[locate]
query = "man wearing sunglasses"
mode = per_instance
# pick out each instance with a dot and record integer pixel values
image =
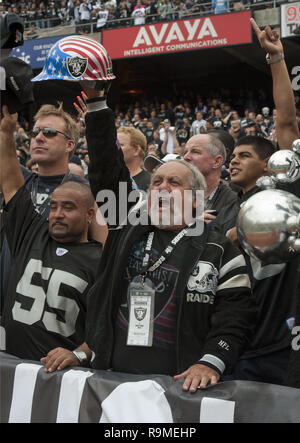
(54, 264)
(53, 139)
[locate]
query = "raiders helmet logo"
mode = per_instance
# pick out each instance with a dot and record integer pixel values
(204, 278)
(140, 313)
(76, 66)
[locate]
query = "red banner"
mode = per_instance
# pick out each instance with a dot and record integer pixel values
(183, 35)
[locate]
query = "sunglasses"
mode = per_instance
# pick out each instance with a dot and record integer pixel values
(47, 132)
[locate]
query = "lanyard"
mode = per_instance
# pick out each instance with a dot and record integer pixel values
(165, 254)
(34, 192)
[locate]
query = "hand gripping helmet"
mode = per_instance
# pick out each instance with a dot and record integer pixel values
(77, 58)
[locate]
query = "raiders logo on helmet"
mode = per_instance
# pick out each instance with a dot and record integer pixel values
(140, 313)
(77, 66)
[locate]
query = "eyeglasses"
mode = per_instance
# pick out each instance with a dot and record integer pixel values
(47, 132)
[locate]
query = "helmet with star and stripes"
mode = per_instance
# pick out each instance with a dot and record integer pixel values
(77, 58)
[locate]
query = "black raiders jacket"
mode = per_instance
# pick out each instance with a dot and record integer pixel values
(214, 332)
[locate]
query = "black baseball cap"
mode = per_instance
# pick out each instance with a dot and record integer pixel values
(19, 88)
(215, 122)
(11, 31)
(247, 123)
(151, 162)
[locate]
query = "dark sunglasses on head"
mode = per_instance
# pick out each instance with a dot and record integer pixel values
(47, 132)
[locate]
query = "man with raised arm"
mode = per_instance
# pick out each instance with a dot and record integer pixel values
(54, 265)
(166, 301)
(51, 151)
(286, 122)
(287, 130)
(275, 286)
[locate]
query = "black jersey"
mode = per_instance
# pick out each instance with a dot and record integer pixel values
(40, 188)
(46, 300)
(275, 287)
(293, 373)
(142, 180)
(276, 290)
(294, 188)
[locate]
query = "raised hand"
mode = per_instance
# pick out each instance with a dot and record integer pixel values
(81, 107)
(8, 121)
(268, 39)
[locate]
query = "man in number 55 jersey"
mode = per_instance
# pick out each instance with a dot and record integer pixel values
(54, 264)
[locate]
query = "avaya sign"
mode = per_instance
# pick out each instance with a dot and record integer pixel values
(184, 35)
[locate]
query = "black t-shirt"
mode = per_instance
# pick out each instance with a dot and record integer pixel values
(46, 301)
(294, 188)
(275, 287)
(162, 115)
(183, 134)
(179, 114)
(274, 290)
(142, 180)
(41, 187)
(161, 357)
(293, 373)
(149, 135)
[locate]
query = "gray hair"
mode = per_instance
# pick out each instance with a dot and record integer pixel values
(196, 179)
(216, 147)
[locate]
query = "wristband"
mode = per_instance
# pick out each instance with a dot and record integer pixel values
(96, 104)
(81, 355)
(213, 362)
(276, 59)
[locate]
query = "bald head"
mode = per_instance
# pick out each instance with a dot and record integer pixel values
(71, 212)
(76, 169)
(83, 189)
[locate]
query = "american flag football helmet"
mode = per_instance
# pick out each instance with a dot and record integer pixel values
(77, 58)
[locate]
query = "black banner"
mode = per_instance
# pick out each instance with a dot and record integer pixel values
(77, 395)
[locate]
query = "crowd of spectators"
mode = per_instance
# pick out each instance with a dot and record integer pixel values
(240, 114)
(118, 13)
(194, 114)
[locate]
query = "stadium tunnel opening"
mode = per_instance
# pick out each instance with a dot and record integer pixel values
(169, 76)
